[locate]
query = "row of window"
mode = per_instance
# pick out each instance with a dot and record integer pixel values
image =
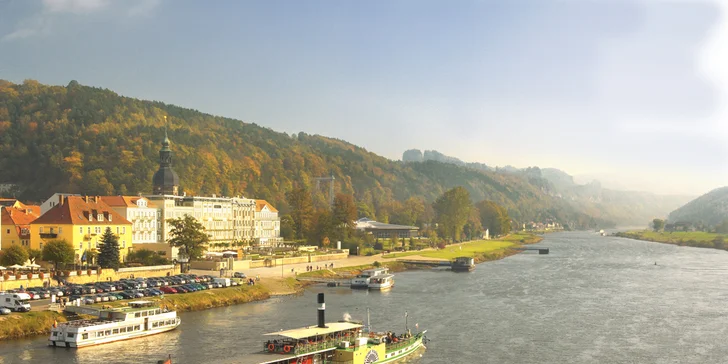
(96, 245)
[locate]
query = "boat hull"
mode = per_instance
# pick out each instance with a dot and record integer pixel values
(106, 340)
(404, 354)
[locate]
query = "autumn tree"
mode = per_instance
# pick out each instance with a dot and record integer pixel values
(299, 200)
(109, 250)
(58, 252)
(494, 217)
(189, 236)
(14, 254)
(452, 210)
(288, 227)
(324, 226)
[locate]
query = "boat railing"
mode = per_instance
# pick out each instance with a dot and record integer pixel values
(301, 348)
(401, 343)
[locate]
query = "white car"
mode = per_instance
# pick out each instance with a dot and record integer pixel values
(4, 311)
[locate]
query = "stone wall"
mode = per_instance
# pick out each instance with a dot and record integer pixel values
(84, 277)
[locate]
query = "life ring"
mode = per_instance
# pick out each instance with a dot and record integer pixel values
(287, 349)
(271, 348)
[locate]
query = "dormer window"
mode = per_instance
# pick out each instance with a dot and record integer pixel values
(100, 217)
(109, 217)
(90, 217)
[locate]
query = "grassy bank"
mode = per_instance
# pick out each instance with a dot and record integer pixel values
(698, 239)
(19, 325)
(487, 249)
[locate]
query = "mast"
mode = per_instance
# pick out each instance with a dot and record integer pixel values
(406, 315)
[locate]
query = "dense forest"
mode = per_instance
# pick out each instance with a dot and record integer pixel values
(89, 140)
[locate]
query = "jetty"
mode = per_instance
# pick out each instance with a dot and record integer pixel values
(541, 250)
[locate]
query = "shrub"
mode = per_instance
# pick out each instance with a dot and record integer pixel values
(441, 245)
(6, 276)
(29, 275)
(41, 275)
(18, 276)
(377, 264)
(88, 272)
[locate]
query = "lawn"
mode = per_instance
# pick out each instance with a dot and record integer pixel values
(470, 249)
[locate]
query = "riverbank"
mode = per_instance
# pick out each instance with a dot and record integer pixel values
(19, 325)
(697, 239)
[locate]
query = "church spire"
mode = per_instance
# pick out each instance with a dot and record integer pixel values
(165, 180)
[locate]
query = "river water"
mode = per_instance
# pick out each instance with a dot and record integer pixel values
(593, 299)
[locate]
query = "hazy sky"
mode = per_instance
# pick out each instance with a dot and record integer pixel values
(630, 91)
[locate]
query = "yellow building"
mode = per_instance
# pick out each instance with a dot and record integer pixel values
(81, 221)
(15, 219)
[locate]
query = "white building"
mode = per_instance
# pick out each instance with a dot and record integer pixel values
(140, 212)
(52, 201)
(267, 224)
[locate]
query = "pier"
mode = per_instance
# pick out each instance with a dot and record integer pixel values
(541, 250)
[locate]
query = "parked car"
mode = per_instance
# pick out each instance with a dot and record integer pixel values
(4, 311)
(239, 275)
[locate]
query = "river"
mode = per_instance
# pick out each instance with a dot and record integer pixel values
(593, 299)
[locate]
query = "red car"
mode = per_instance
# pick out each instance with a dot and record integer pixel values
(168, 289)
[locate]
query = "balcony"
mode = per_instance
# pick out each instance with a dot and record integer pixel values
(48, 235)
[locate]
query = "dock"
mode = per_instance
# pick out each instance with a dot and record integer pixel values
(332, 282)
(541, 250)
(432, 263)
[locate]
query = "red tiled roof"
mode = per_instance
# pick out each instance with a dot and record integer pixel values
(76, 210)
(18, 216)
(259, 204)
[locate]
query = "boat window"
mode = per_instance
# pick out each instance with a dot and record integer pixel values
(136, 327)
(70, 335)
(157, 311)
(138, 314)
(144, 314)
(107, 333)
(84, 336)
(116, 331)
(100, 334)
(122, 330)
(156, 324)
(130, 329)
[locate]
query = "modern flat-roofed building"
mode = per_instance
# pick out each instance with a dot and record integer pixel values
(386, 231)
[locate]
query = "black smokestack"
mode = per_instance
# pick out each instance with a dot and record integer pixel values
(321, 311)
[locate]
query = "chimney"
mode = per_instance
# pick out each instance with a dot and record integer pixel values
(85, 198)
(60, 199)
(321, 311)
(96, 199)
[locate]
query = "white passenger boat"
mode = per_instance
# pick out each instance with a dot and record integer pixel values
(382, 282)
(140, 318)
(362, 280)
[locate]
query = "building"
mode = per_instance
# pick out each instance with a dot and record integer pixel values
(267, 224)
(140, 212)
(165, 181)
(386, 231)
(52, 201)
(15, 222)
(230, 222)
(81, 221)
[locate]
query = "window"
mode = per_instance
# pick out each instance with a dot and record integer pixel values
(136, 327)
(70, 335)
(80, 229)
(100, 334)
(123, 244)
(89, 230)
(123, 229)
(116, 331)
(80, 245)
(60, 230)
(84, 336)
(41, 246)
(122, 330)
(100, 217)
(144, 314)
(137, 314)
(156, 324)
(108, 332)
(117, 230)
(41, 230)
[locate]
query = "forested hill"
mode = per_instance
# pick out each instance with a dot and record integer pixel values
(93, 141)
(710, 209)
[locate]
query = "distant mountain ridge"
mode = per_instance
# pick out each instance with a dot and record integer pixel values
(622, 207)
(709, 209)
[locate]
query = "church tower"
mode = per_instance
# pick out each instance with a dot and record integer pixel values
(165, 180)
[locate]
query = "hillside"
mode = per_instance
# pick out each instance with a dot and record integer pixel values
(710, 209)
(81, 139)
(620, 207)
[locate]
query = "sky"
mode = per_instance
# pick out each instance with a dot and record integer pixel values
(632, 92)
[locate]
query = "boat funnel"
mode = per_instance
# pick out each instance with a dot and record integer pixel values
(321, 311)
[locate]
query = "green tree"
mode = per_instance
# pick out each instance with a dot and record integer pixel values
(324, 226)
(146, 257)
(189, 236)
(344, 215)
(494, 217)
(658, 224)
(473, 228)
(722, 228)
(58, 252)
(14, 254)
(301, 204)
(452, 210)
(109, 250)
(91, 256)
(35, 255)
(288, 228)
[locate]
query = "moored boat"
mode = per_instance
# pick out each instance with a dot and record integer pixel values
(362, 280)
(140, 318)
(463, 264)
(382, 282)
(343, 342)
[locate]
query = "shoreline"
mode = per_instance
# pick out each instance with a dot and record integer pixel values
(36, 323)
(679, 238)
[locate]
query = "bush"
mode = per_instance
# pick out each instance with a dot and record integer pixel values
(441, 245)
(6, 276)
(377, 264)
(18, 276)
(88, 272)
(78, 273)
(29, 275)
(41, 275)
